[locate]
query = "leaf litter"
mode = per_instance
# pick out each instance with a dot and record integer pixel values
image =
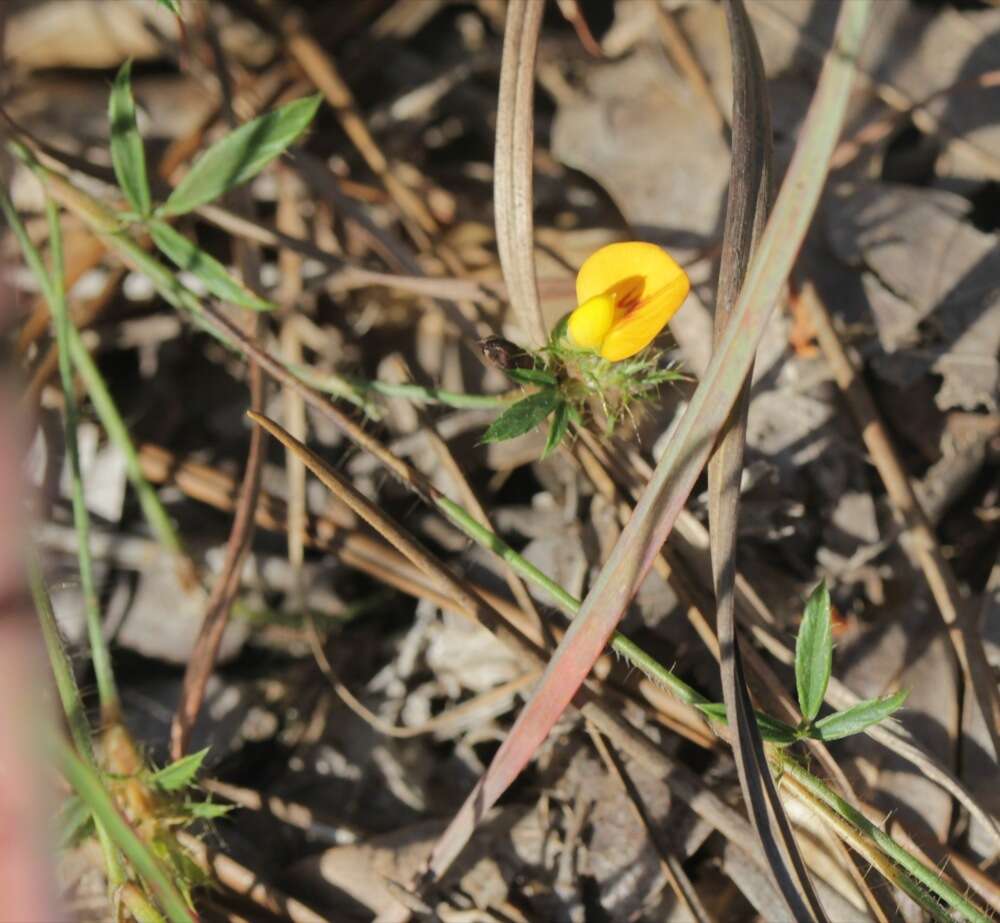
(912, 272)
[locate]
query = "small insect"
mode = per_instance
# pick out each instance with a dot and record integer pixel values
(505, 355)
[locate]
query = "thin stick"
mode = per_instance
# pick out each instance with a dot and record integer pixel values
(241, 880)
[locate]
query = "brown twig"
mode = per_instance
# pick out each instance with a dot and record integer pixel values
(241, 880)
(683, 56)
(471, 502)
(892, 96)
(323, 72)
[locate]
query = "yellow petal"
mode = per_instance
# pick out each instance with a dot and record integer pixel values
(637, 329)
(628, 271)
(591, 321)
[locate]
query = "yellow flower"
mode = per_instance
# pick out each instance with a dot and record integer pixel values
(626, 292)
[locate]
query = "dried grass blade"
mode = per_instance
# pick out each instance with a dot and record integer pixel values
(686, 456)
(512, 164)
(746, 213)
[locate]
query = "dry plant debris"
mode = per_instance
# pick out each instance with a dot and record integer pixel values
(417, 239)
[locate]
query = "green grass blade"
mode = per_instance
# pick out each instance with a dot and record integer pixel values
(87, 784)
(62, 670)
(241, 155)
(106, 689)
(127, 155)
(52, 288)
(814, 653)
(188, 256)
(114, 425)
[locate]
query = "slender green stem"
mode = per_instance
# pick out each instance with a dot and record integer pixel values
(927, 877)
(113, 423)
(87, 784)
(56, 298)
(422, 395)
(139, 905)
(628, 649)
(865, 848)
(62, 671)
(72, 702)
(72, 348)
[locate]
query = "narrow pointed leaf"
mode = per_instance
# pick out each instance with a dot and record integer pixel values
(523, 416)
(206, 810)
(179, 774)
(188, 256)
(814, 653)
(241, 155)
(557, 428)
(127, 155)
(72, 821)
(858, 717)
(686, 455)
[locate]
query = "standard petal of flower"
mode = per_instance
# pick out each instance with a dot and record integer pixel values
(629, 271)
(640, 327)
(591, 321)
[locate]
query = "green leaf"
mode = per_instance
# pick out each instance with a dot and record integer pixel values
(72, 821)
(557, 428)
(240, 155)
(206, 810)
(855, 719)
(526, 414)
(771, 729)
(559, 331)
(127, 155)
(814, 653)
(532, 377)
(179, 774)
(186, 255)
(173, 5)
